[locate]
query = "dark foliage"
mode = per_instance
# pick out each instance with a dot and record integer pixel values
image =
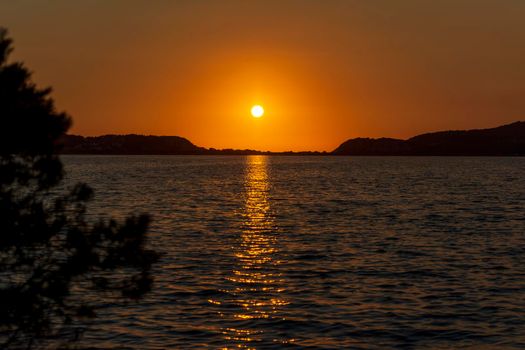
(55, 267)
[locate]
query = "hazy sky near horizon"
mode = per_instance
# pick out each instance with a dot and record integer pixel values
(324, 70)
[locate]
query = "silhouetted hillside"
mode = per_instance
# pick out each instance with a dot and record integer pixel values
(506, 140)
(366, 146)
(140, 144)
(128, 144)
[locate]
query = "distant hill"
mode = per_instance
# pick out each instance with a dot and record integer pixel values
(506, 140)
(128, 144)
(140, 144)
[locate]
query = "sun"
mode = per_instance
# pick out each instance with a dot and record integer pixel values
(257, 111)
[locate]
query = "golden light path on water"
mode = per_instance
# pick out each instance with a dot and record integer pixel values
(257, 283)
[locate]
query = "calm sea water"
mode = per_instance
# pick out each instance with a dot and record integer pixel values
(319, 252)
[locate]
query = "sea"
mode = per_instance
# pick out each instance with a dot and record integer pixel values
(317, 252)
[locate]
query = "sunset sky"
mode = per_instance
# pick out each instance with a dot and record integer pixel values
(324, 71)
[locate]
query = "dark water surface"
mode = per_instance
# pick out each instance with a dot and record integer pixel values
(319, 252)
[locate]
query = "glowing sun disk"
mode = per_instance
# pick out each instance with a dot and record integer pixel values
(257, 111)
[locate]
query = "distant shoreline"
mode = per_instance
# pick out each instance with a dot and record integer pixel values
(292, 155)
(507, 140)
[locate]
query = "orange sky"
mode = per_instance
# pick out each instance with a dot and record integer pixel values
(325, 71)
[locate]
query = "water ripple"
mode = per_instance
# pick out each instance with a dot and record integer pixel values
(319, 252)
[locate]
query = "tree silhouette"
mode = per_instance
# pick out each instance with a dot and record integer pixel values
(55, 266)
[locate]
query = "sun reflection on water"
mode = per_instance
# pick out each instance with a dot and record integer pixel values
(257, 283)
